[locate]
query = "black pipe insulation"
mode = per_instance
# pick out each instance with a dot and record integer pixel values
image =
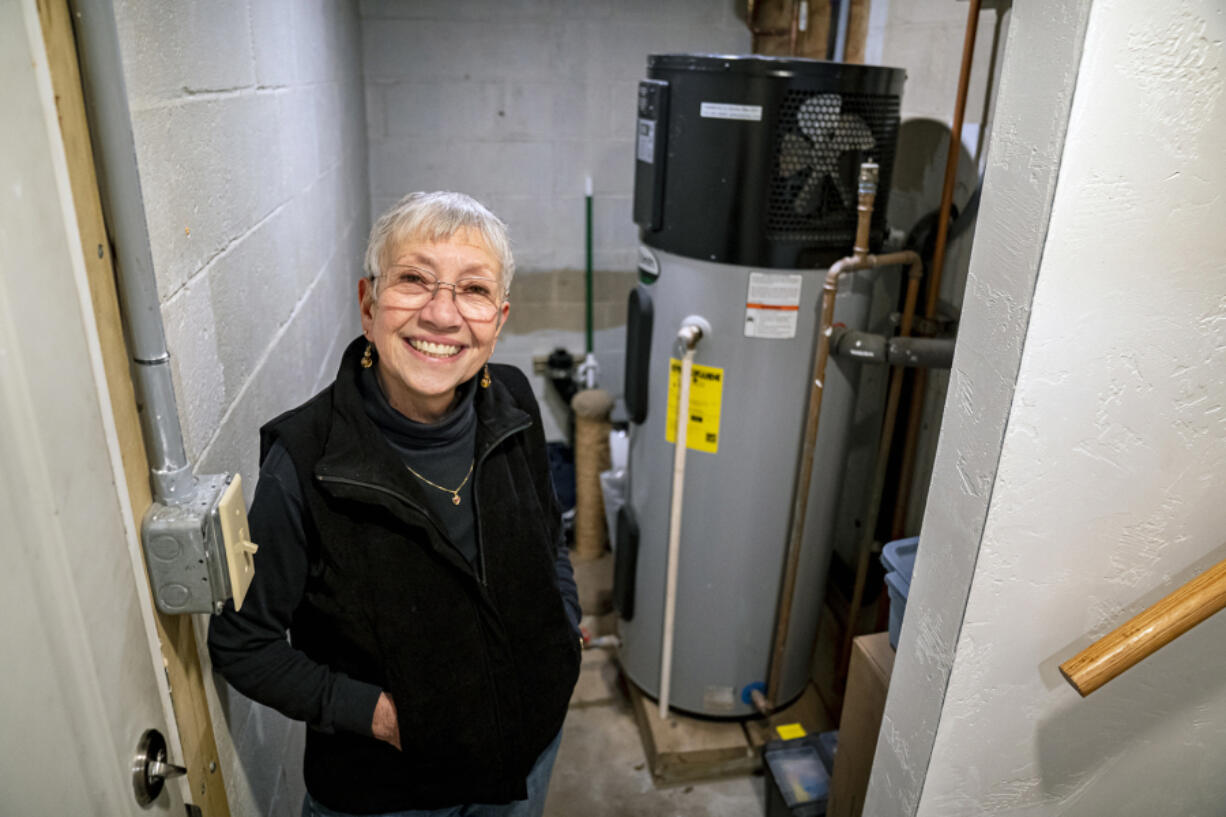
(922, 353)
(911, 352)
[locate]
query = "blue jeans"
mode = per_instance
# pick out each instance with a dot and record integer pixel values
(534, 806)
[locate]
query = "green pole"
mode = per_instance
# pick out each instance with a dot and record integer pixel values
(588, 269)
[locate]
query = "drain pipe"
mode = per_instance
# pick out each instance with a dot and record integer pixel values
(693, 329)
(860, 259)
(106, 97)
(194, 535)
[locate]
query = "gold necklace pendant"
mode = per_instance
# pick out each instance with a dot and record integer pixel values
(455, 492)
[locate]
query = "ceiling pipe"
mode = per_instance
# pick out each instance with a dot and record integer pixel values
(106, 99)
(840, 38)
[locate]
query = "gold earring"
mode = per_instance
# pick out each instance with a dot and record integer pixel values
(485, 377)
(367, 361)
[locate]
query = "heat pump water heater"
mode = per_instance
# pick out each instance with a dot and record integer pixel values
(745, 191)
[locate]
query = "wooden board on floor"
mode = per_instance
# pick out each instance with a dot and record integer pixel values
(807, 711)
(683, 749)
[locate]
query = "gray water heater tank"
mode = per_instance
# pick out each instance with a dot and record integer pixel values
(745, 191)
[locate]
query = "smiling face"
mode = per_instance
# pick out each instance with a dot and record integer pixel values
(426, 351)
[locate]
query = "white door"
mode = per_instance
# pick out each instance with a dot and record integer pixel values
(78, 681)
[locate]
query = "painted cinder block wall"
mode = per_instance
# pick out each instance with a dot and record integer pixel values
(516, 103)
(250, 136)
(1102, 489)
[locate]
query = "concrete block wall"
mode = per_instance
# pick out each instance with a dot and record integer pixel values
(516, 103)
(249, 120)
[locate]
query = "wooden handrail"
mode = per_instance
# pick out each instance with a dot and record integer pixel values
(1148, 631)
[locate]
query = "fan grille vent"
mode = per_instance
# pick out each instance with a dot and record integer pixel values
(821, 139)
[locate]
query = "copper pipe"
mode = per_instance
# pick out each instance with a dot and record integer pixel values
(794, 30)
(801, 501)
(951, 160)
(858, 261)
(916, 410)
(882, 467)
(869, 172)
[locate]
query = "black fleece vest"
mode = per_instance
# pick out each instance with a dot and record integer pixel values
(480, 660)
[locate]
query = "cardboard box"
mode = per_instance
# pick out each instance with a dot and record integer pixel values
(868, 681)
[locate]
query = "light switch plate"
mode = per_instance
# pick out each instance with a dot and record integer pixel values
(240, 550)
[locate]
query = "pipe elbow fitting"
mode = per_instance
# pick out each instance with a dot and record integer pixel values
(693, 329)
(689, 335)
(869, 174)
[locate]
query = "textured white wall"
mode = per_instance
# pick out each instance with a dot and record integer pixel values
(1023, 163)
(1108, 491)
(249, 122)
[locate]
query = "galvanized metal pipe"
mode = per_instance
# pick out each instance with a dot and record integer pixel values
(840, 37)
(110, 121)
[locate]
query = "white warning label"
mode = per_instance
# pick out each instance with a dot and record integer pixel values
(647, 141)
(772, 307)
(724, 110)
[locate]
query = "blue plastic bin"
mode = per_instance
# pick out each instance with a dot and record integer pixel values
(898, 557)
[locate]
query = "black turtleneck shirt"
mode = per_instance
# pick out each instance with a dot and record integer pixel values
(252, 644)
(440, 452)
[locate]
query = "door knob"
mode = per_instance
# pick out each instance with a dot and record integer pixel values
(150, 769)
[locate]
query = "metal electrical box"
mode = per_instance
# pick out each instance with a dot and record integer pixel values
(200, 553)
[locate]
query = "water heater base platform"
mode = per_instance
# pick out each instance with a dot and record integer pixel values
(683, 749)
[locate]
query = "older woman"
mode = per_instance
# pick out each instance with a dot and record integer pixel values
(410, 542)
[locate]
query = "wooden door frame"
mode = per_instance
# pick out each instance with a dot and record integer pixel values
(176, 636)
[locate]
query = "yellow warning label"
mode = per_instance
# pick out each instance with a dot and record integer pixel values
(790, 731)
(706, 394)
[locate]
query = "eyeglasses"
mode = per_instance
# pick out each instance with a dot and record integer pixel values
(476, 299)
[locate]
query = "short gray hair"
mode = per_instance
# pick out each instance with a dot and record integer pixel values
(438, 216)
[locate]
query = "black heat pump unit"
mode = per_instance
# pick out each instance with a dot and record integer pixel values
(779, 190)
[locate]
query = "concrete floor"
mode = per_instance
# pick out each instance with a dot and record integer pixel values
(602, 772)
(601, 769)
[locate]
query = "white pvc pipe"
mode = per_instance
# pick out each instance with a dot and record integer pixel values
(674, 520)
